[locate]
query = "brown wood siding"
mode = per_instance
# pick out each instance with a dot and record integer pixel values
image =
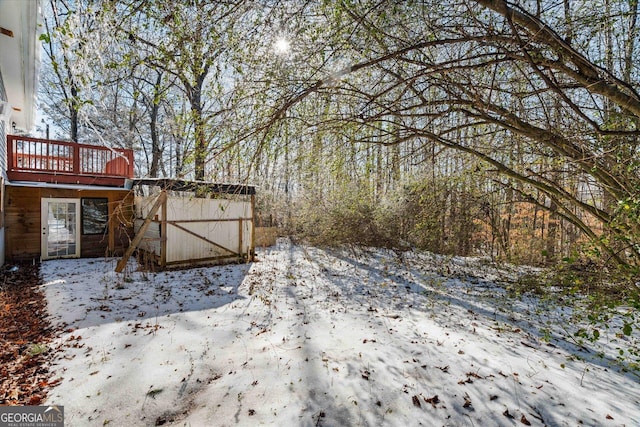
(23, 216)
(94, 246)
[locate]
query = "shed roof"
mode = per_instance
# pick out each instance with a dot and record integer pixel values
(196, 186)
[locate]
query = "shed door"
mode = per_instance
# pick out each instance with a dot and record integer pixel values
(60, 228)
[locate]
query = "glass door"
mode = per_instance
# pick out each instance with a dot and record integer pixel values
(60, 228)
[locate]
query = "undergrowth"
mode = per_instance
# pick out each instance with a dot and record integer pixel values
(600, 309)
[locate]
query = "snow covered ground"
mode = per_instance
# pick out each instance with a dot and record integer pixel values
(327, 338)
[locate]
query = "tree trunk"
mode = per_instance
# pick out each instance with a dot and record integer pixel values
(199, 123)
(73, 114)
(630, 42)
(155, 143)
(200, 149)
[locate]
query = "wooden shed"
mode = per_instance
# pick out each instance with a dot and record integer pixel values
(179, 223)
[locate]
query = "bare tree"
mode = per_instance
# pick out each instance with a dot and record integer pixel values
(473, 79)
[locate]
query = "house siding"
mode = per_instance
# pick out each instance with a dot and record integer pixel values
(23, 221)
(3, 131)
(3, 170)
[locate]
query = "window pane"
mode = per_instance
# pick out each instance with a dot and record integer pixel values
(95, 215)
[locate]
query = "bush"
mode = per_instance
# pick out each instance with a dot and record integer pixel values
(345, 217)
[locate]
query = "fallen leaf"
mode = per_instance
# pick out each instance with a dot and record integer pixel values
(23, 320)
(416, 401)
(433, 400)
(507, 414)
(467, 401)
(525, 421)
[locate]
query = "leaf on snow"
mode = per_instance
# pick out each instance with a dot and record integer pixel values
(433, 400)
(467, 402)
(154, 392)
(525, 421)
(416, 401)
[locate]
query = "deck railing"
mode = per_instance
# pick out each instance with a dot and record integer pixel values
(35, 159)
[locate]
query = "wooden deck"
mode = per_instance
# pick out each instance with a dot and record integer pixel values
(61, 162)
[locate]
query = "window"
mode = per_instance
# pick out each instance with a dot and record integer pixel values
(95, 215)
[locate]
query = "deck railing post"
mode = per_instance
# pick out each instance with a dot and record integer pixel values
(76, 159)
(10, 153)
(130, 170)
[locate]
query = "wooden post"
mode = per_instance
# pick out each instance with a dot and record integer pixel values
(76, 160)
(252, 249)
(130, 169)
(163, 234)
(111, 227)
(138, 237)
(12, 154)
(240, 239)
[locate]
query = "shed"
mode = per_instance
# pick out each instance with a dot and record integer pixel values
(179, 223)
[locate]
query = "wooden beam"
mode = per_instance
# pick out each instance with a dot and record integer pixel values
(240, 237)
(163, 234)
(65, 178)
(252, 249)
(143, 228)
(187, 221)
(200, 261)
(111, 226)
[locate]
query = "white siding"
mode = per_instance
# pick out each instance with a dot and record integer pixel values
(201, 217)
(151, 240)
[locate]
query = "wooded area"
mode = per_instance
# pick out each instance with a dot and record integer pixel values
(471, 127)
